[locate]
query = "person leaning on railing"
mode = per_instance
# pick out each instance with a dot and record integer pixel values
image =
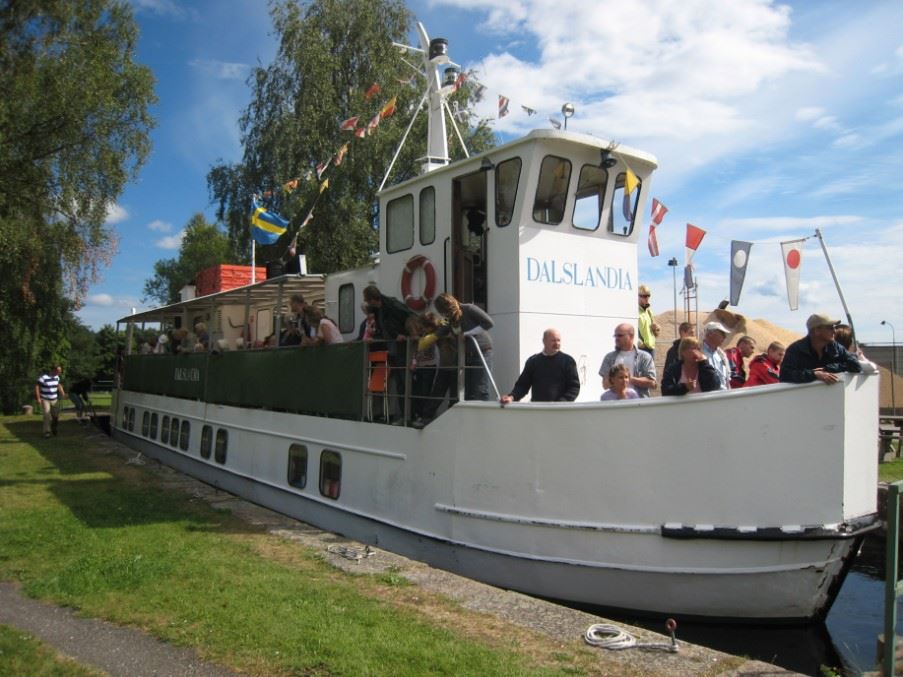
(817, 356)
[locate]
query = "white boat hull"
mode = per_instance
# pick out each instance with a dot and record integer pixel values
(615, 505)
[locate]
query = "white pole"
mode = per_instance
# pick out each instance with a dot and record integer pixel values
(253, 261)
(843, 301)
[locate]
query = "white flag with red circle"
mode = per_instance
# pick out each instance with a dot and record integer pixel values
(792, 252)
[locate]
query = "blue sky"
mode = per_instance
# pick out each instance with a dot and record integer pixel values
(768, 120)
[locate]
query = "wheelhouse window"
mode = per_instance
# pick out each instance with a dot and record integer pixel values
(346, 308)
(400, 224)
(622, 216)
(164, 430)
(222, 443)
(154, 422)
(590, 197)
(124, 424)
(184, 436)
(145, 423)
(330, 474)
(552, 190)
(297, 465)
(427, 215)
(206, 441)
(132, 419)
(507, 176)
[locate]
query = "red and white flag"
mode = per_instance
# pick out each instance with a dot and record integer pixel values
(792, 253)
(653, 241)
(371, 91)
(321, 167)
(349, 124)
(503, 106)
(373, 124)
(658, 213)
(360, 132)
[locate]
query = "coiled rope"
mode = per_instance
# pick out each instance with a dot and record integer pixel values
(613, 638)
(346, 551)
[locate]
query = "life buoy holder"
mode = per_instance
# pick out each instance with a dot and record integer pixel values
(429, 289)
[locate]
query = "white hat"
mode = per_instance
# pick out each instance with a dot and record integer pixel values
(716, 326)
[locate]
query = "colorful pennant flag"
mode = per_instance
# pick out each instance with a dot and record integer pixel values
(478, 93)
(360, 132)
(658, 212)
(653, 241)
(503, 106)
(630, 181)
(388, 109)
(529, 111)
(289, 186)
(324, 185)
(340, 155)
(739, 261)
(349, 124)
(266, 226)
(792, 252)
(307, 219)
(694, 237)
(373, 124)
(689, 279)
(555, 122)
(372, 91)
(459, 81)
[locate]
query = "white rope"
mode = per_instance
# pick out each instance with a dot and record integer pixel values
(346, 551)
(607, 636)
(137, 460)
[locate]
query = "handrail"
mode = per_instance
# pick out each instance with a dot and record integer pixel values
(485, 366)
(892, 587)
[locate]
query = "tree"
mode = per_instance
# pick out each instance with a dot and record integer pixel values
(74, 127)
(203, 245)
(330, 54)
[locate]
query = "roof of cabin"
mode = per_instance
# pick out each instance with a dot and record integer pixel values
(266, 293)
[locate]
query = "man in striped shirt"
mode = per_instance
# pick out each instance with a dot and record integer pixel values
(48, 391)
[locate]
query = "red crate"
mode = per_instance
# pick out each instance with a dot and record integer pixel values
(224, 277)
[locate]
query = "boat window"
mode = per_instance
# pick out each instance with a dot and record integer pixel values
(552, 190)
(206, 441)
(297, 465)
(623, 207)
(132, 419)
(174, 432)
(125, 419)
(145, 423)
(507, 176)
(330, 474)
(346, 308)
(427, 215)
(222, 441)
(164, 430)
(185, 436)
(590, 197)
(153, 425)
(400, 224)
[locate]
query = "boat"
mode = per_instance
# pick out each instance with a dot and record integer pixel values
(739, 505)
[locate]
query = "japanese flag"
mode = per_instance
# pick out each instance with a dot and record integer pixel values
(792, 252)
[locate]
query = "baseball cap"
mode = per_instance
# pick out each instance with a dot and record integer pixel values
(716, 326)
(820, 320)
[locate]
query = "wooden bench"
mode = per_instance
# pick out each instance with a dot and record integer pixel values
(888, 433)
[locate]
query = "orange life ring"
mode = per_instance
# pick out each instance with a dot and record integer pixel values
(429, 289)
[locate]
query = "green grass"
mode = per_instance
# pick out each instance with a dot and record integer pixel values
(84, 530)
(892, 471)
(22, 654)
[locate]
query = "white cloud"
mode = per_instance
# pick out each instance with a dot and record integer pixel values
(167, 8)
(160, 226)
(809, 113)
(221, 70)
(171, 241)
(116, 213)
(104, 300)
(789, 223)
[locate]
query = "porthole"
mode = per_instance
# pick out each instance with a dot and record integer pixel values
(184, 436)
(297, 465)
(174, 432)
(330, 474)
(222, 442)
(153, 426)
(206, 441)
(145, 423)
(164, 430)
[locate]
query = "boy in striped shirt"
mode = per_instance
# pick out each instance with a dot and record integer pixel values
(47, 391)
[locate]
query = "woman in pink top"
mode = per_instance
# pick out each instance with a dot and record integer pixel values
(326, 331)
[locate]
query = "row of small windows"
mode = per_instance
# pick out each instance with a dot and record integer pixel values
(548, 205)
(330, 470)
(177, 433)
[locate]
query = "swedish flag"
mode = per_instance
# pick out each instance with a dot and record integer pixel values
(266, 226)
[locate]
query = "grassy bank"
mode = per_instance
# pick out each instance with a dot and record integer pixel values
(892, 471)
(22, 654)
(83, 529)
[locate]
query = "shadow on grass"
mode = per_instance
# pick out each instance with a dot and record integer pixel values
(126, 496)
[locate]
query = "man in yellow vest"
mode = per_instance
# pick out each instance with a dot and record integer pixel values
(647, 329)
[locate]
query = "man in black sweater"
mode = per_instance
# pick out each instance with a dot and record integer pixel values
(551, 374)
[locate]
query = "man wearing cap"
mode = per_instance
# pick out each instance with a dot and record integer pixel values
(713, 336)
(817, 356)
(639, 363)
(647, 329)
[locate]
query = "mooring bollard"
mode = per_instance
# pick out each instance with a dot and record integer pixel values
(27, 409)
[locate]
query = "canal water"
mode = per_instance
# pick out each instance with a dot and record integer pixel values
(845, 642)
